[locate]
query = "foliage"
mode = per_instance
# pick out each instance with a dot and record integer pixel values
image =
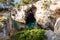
(17, 6)
(9, 3)
(23, 2)
(2, 1)
(1, 9)
(50, 17)
(46, 4)
(34, 34)
(6, 1)
(2, 20)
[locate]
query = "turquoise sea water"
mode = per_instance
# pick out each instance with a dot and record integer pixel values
(18, 25)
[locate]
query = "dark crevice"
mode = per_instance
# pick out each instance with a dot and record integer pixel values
(30, 15)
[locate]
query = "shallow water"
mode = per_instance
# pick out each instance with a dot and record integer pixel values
(19, 25)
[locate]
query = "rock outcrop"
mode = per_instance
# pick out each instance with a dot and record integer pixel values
(20, 16)
(50, 35)
(44, 17)
(41, 15)
(56, 34)
(57, 26)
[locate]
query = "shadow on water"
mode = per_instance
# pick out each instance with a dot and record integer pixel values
(18, 25)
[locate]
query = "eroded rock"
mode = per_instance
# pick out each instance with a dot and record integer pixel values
(50, 35)
(43, 16)
(57, 26)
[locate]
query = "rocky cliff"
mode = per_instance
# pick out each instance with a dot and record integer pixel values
(43, 13)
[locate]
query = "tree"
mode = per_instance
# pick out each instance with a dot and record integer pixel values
(7, 3)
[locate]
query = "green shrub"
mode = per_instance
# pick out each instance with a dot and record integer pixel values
(34, 34)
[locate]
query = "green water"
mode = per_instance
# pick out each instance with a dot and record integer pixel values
(18, 25)
(30, 25)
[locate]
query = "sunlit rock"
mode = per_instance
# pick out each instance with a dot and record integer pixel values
(42, 14)
(20, 16)
(42, 18)
(57, 29)
(57, 17)
(57, 26)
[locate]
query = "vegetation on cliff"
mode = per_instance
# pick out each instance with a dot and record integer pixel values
(34, 34)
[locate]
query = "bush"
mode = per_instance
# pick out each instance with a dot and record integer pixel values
(34, 34)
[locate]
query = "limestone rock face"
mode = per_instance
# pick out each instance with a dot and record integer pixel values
(50, 35)
(20, 16)
(57, 26)
(43, 16)
(43, 19)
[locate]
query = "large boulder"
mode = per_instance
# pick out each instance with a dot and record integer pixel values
(50, 35)
(20, 15)
(57, 18)
(46, 18)
(57, 26)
